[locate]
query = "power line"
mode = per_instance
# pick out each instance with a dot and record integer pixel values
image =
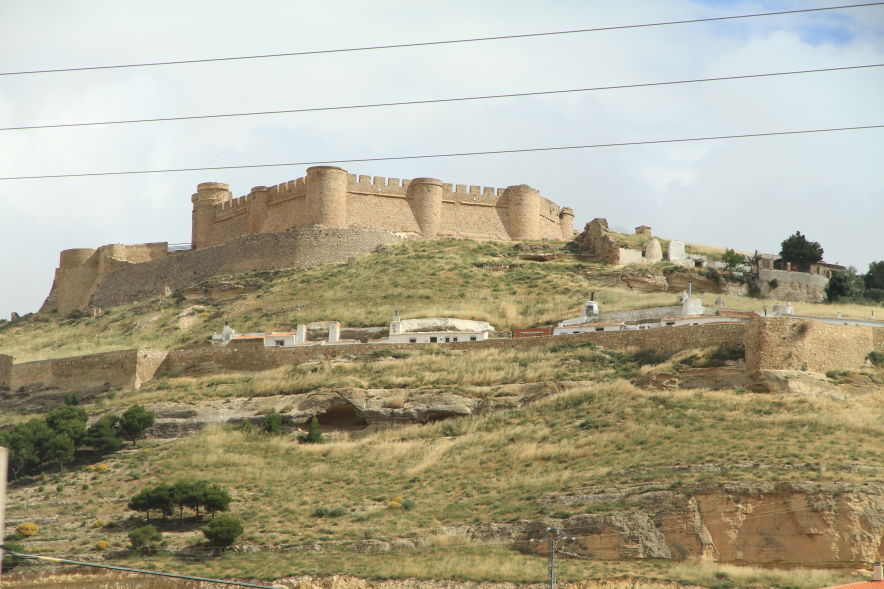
(442, 155)
(133, 570)
(441, 42)
(440, 100)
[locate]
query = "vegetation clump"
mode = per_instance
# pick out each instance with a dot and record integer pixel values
(223, 530)
(146, 539)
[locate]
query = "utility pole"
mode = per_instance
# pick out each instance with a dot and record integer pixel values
(553, 537)
(4, 460)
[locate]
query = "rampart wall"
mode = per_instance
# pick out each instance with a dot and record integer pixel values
(80, 271)
(423, 207)
(792, 286)
(783, 343)
(306, 246)
(770, 343)
(122, 369)
(208, 360)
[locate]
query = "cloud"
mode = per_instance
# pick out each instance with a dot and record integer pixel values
(747, 194)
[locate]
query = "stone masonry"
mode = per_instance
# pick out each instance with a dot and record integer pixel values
(329, 198)
(770, 343)
(425, 208)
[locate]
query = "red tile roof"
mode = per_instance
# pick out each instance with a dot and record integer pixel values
(746, 314)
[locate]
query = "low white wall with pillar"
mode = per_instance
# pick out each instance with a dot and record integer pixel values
(300, 334)
(334, 332)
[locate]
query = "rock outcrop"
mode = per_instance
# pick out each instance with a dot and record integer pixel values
(767, 523)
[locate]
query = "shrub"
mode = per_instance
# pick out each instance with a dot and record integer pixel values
(773, 283)
(272, 423)
(98, 523)
(146, 538)
(326, 512)
(876, 358)
(27, 529)
(102, 545)
(223, 530)
(314, 435)
(10, 561)
(644, 357)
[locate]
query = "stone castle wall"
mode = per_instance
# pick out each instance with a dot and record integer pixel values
(80, 271)
(306, 246)
(423, 207)
(251, 357)
(783, 343)
(792, 286)
(327, 197)
(769, 343)
(122, 369)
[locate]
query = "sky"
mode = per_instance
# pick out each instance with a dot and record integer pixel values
(747, 194)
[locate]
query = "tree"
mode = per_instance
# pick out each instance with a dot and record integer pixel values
(845, 285)
(60, 450)
(215, 499)
(158, 498)
(27, 445)
(732, 259)
(68, 420)
(798, 250)
(146, 538)
(223, 530)
(313, 435)
(135, 420)
(874, 280)
(104, 434)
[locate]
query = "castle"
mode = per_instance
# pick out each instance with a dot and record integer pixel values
(327, 216)
(423, 207)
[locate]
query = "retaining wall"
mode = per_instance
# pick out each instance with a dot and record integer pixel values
(121, 369)
(783, 343)
(306, 246)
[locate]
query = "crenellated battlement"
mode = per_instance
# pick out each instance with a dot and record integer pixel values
(377, 185)
(287, 190)
(421, 207)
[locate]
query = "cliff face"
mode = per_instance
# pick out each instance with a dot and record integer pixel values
(782, 523)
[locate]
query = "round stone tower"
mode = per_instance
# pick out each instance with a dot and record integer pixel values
(523, 203)
(208, 194)
(258, 208)
(74, 258)
(566, 222)
(327, 196)
(426, 195)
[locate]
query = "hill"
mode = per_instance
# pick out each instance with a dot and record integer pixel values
(655, 485)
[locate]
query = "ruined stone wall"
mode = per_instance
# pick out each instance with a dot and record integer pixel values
(249, 357)
(5, 371)
(306, 246)
(782, 343)
(423, 207)
(596, 241)
(81, 270)
(123, 369)
(792, 286)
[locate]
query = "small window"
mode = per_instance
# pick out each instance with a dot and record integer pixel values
(670, 323)
(454, 339)
(412, 340)
(695, 324)
(433, 339)
(600, 329)
(447, 340)
(472, 338)
(280, 343)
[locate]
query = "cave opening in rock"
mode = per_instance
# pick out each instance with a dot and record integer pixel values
(341, 417)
